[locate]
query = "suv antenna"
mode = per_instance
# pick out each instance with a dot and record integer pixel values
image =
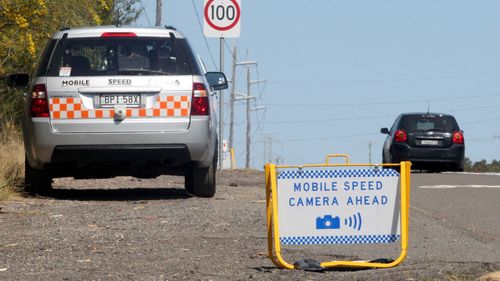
(428, 106)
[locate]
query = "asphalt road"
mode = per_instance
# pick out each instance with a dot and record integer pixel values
(457, 215)
(129, 229)
(466, 202)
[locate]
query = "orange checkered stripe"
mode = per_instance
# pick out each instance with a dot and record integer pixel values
(73, 108)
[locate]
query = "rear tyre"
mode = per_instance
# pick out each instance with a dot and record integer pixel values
(200, 181)
(36, 181)
(384, 161)
(458, 167)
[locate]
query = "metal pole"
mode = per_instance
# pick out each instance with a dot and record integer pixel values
(369, 152)
(247, 160)
(221, 105)
(158, 13)
(264, 150)
(231, 101)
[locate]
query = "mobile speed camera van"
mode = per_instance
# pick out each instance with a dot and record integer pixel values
(113, 101)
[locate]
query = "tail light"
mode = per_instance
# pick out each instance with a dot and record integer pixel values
(400, 136)
(458, 137)
(199, 104)
(118, 34)
(39, 102)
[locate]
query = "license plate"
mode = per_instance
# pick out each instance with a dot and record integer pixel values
(110, 100)
(429, 142)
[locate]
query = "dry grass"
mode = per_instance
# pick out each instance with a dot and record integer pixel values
(11, 159)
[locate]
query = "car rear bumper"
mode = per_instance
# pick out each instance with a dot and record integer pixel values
(166, 154)
(45, 147)
(451, 155)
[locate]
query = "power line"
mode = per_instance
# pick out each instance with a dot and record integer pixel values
(314, 121)
(321, 138)
(205, 38)
(473, 108)
(145, 13)
(480, 121)
(328, 120)
(358, 81)
(382, 102)
(261, 89)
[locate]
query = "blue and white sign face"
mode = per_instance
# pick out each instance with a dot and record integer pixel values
(324, 206)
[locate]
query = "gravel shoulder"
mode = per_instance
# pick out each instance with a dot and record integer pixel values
(131, 229)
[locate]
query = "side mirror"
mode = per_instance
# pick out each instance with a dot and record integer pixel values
(384, 131)
(217, 80)
(19, 80)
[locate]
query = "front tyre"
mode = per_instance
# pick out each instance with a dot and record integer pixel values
(36, 181)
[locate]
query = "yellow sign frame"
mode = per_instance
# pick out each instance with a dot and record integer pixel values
(273, 242)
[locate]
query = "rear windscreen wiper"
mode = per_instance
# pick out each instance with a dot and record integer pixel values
(140, 71)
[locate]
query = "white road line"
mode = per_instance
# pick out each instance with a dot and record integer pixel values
(471, 173)
(444, 186)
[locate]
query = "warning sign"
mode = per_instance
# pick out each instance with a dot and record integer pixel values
(338, 206)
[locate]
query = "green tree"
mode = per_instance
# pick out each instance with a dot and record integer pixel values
(25, 25)
(494, 166)
(125, 12)
(467, 164)
(481, 166)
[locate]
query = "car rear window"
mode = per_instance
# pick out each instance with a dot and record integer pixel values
(119, 56)
(429, 123)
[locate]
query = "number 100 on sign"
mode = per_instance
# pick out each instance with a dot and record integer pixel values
(222, 18)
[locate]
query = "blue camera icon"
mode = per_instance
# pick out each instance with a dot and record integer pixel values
(327, 222)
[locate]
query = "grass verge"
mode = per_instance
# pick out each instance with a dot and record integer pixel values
(11, 159)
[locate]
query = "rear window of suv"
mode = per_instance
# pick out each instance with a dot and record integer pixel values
(119, 56)
(429, 123)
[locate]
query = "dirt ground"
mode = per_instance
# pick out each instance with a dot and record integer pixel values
(133, 229)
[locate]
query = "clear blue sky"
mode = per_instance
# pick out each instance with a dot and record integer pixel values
(338, 71)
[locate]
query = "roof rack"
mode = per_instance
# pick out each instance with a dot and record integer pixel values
(64, 28)
(170, 27)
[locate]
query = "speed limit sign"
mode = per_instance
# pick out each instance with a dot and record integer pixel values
(222, 18)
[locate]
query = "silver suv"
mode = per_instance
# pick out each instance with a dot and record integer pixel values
(108, 102)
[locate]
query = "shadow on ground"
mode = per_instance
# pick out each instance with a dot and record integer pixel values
(128, 194)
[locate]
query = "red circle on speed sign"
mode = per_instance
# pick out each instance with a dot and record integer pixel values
(227, 27)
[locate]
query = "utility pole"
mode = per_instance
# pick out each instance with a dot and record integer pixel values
(268, 149)
(249, 96)
(158, 13)
(221, 105)
(233, 94)
(231, 100)
(369, 152)
(247, 158)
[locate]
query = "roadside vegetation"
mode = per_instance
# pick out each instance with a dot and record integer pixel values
(25, 27)
(11, 159)
(482, 166)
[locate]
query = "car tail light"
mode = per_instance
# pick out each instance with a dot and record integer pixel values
(199, 104)
(39, 102)
(118, 34)
(400, 136)
(458, 137)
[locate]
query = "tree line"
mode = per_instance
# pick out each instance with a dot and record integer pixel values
(481, 166)
(25, 25)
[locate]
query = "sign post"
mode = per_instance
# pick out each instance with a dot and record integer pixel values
(222, 20)
(337, 204)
